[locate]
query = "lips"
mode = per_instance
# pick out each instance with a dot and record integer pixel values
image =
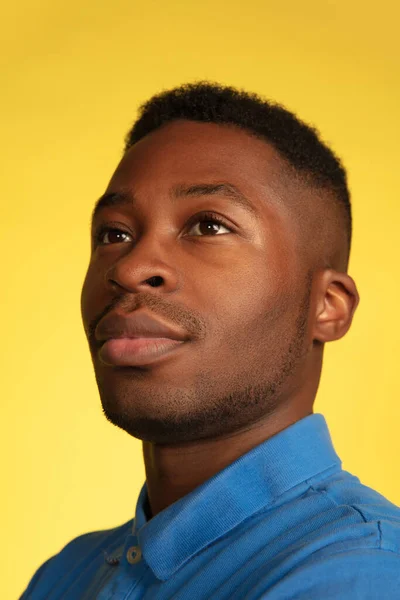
(136, 340)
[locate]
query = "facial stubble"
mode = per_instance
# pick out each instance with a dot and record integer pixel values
(200, 413)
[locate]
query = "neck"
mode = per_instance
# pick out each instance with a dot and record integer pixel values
(176, 470)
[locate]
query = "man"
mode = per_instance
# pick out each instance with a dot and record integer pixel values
(218, 272)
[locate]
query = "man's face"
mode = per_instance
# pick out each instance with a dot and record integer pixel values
(238, 289)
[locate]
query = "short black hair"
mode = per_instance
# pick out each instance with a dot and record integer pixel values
(300, 144)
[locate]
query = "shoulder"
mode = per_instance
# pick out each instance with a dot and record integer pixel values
(352, 551)
(369, 509)
(87, 544)
(84, 547)
(353, 574)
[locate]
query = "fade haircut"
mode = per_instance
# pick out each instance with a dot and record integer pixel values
(298, 143)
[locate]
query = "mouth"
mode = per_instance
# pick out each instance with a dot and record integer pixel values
(136, 352)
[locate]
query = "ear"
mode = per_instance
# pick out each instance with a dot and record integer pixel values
(336, 304)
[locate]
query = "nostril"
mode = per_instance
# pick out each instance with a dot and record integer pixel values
(155, 281)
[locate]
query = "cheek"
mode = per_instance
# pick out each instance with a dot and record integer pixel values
(91, 297)
(256, 306)
(249, 308)
(85, 302)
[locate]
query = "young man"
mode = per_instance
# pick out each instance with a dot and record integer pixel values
(218, 272)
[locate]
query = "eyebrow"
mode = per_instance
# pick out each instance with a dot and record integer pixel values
(110, 200)
(201, 189)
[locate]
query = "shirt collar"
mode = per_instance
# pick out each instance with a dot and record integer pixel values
(244, 487)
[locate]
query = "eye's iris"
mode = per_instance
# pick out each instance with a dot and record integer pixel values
(113, 232)
(209, 226)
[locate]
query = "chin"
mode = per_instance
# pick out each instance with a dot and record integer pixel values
(157, 431)
(169, 428)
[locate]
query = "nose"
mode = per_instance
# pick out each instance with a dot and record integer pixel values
(143, 267)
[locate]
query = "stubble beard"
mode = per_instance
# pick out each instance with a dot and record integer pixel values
(212, 415)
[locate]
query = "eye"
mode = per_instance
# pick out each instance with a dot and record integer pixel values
(209, 222)
(111, 232)
(212, 223)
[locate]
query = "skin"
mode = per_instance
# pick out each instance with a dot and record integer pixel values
(260, 299)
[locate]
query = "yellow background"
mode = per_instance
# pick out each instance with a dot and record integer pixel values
(73, 75)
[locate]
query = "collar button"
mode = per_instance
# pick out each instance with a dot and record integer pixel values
(133, 555)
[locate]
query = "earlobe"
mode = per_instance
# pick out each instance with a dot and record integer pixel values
(336, 306)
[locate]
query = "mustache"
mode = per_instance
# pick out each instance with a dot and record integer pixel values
(176, 314)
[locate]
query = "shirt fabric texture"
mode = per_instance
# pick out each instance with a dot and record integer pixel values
(284, 521)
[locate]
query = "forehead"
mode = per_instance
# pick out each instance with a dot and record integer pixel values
(189, 153)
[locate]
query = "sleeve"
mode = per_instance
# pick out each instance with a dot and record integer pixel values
(353, 575)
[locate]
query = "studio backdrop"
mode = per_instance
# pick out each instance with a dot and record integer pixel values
(73, 75)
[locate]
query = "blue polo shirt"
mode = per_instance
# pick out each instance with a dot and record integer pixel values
(283, 521)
